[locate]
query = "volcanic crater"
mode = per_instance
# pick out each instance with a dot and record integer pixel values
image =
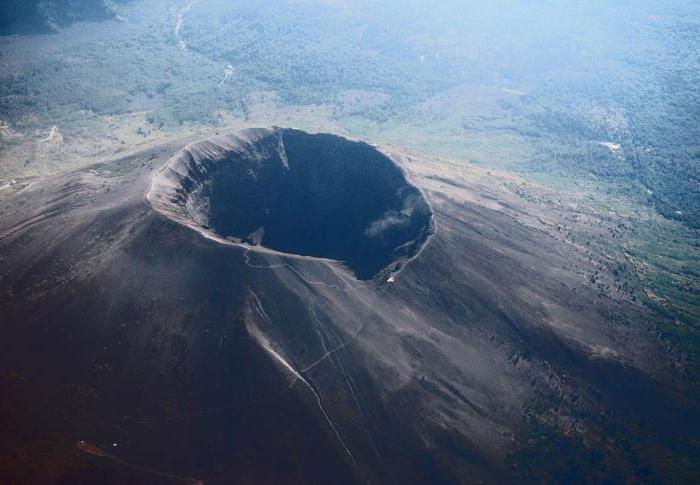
(287, 191)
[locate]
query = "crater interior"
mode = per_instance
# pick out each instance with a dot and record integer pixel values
(316, 195)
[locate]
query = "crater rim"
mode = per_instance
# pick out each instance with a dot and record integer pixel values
(170, 193)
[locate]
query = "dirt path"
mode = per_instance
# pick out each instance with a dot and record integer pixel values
(178, 23)
(91, 449)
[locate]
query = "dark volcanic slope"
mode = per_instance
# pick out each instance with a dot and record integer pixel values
(138, 346)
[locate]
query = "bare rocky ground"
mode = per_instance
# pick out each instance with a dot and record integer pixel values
(136, 349)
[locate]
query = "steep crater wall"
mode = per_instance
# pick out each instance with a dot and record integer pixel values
(289, 191)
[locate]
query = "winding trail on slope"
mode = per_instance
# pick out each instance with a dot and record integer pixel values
(265, 343)
(178, 23)
(348, 288)
(94, 450)
(328, 353)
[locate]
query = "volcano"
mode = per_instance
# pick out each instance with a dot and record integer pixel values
(276, 306)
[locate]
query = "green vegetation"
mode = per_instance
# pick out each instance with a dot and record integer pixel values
(34, 16)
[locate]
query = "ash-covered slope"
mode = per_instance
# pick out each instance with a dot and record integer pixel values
(150, 335)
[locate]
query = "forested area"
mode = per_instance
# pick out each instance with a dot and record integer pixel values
(36, 16)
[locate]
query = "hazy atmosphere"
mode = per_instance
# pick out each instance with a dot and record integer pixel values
(360, 241)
